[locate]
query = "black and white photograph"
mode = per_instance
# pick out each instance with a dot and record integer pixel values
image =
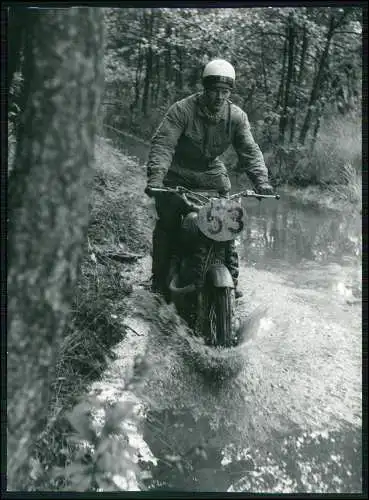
(184, 248)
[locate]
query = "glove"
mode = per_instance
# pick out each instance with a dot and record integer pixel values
(265, 188)
(148, 190)
(152, 183)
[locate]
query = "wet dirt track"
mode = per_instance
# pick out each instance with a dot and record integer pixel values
(288, 418)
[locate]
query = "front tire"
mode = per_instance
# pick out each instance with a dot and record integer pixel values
(221, 312)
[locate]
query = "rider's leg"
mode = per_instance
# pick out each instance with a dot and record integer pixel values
(160, 256)
(164, 241)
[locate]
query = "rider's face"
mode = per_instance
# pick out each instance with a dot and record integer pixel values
(216, 97)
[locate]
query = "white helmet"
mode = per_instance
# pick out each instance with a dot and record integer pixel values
(219, 71)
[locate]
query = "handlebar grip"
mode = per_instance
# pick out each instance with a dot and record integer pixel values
(151, 191)
(273, 196)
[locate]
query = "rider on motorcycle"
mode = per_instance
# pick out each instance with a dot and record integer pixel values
(185, 151)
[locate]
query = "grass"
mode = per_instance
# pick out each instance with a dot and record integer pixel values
(344, 196)
(350, 188)
(339, 145)
(330, 173)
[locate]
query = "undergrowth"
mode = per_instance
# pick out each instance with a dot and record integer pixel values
(350, 188)
(335, 159)
(100, 303)
(102, 460)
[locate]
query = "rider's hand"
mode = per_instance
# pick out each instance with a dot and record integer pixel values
(264, 188)
(152, 184)
(148, 191)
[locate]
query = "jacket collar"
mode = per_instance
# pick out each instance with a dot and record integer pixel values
(202, 112)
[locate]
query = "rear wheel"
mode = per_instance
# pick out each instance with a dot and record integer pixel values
(221, 316)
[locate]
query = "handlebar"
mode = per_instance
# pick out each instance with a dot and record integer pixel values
(181, 191)
(248, 193)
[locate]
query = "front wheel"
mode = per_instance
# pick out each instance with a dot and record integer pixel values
(221, 316)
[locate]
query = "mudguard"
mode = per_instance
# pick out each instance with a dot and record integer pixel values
(219, 276)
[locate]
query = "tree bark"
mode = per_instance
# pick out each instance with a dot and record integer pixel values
(48, 210)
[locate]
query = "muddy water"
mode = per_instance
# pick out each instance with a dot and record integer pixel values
(282, 412)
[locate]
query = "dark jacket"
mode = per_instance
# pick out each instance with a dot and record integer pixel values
(186, 146)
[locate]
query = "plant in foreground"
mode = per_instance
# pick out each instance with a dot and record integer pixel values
(104, 461)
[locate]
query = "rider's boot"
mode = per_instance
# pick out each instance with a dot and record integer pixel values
(237, 292)
(164, 261)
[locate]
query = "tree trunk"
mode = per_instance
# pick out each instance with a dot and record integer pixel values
(285, 114)
(148, 77)
(138, 76)
(303, 56)
(48, 210)
(168, 58)
(134, 105)
(249, 95)
(179, 68)
(149, 19)
(158, 80)
(299, 81)
(18, 19)
(318, 120)
(281, 85)
(265, 79)
(318, 80)
(294, 90)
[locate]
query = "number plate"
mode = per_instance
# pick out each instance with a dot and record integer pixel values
(221, 219)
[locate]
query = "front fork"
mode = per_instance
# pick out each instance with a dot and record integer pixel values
(217, 276)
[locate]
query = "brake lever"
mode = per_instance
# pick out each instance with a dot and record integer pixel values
(189, 203)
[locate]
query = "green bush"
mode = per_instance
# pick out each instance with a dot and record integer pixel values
(334, 159)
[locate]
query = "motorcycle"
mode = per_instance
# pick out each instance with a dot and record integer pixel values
(199, 280)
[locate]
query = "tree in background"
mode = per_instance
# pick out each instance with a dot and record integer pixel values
(48, 204)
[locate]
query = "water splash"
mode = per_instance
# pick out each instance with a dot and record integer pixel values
(202, 400)
(170, 334)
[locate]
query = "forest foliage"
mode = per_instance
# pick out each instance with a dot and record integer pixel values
(299, 78)
(297, 69)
